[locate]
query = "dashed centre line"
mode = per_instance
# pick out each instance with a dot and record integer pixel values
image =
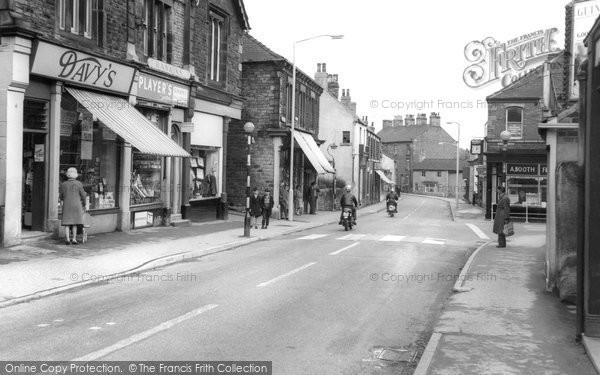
(343, 249)
(286, 274)
(312, 237)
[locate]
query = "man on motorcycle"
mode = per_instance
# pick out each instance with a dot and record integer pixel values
(392, 197)
(348, 200)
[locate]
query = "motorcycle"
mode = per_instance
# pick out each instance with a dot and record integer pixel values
(347, 218)
(392, 207)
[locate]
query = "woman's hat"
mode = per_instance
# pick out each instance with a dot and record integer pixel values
(72, 173)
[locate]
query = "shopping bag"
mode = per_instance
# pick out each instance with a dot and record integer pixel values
(508, 229)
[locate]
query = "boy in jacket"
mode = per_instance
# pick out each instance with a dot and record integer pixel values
(266, 203)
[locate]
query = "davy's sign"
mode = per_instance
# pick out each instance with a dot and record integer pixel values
(68, 65)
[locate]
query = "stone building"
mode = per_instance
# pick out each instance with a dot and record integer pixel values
(267, 89)
(411, 140)
(118, 90)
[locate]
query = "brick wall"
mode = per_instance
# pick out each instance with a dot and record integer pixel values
(532, 115)
(42, 17)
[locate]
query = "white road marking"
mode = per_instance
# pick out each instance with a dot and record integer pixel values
(58, 320)
(95, 328)
(434, 241)
(144, 335)
(312, 237)
(392, 238)
(351, 237)
(415, 210)
(285, 275)
(111, 323)
(478, 231)
(344, 249)
(43, 325)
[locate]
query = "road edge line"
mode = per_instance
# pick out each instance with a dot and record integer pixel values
(458, 285)
(428, 354)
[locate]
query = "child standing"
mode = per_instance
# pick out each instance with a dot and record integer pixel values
(266, 203)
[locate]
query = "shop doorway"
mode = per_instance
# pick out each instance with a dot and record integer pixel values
(34, 181)
(176, 188)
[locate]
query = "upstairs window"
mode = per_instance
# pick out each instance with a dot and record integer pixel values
(423, 173)
(439, 173)
(82, 17)
(157, 20)
(345, 137)
(514, 122)
(218, 46)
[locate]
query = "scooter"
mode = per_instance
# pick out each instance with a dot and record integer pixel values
(392, 207)
(347, 218)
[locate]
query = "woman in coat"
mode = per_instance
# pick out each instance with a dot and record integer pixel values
(73, 197)
(502, 215)
(283, 201)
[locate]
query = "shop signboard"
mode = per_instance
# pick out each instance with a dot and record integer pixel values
(65, 64)
(584, 15)
(162, 90)
(168, 68)
(527, 169)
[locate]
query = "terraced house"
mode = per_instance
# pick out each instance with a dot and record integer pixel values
(136, 95)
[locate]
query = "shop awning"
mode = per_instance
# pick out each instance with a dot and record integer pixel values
(313, 152)
(383, 177)
(122, 118)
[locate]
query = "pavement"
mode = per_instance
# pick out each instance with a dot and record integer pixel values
(502, 321)
(36, 270)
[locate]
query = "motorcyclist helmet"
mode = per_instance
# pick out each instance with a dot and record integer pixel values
(348, 188)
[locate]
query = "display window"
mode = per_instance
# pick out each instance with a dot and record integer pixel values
(529, 190)
(147, 171)
(203, 173)
(93, 149)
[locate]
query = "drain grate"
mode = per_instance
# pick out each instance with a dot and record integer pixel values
(384, 356)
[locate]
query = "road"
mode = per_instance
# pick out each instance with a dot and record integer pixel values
(320, 301)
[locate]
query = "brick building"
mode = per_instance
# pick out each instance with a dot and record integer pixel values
(118, 90)
(267, 88)
(438, 176)
(411, 140)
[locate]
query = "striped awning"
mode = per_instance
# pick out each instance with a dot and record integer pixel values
(383, 177)
(122, 118)
(313, 152)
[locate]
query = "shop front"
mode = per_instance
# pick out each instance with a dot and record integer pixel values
(156, 182)
(77, 114)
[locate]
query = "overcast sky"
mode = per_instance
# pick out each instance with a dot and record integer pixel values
(398, 51)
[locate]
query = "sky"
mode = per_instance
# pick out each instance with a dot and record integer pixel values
(402, 57)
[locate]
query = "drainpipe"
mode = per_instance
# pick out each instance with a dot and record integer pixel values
(583, 115)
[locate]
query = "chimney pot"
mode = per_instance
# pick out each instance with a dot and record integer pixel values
(324, 67)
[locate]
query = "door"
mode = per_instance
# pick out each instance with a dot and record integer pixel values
(34, 181)
(176, 188)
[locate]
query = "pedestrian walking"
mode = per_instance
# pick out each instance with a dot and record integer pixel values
(255, 208)
(73, 199)
(314, 195)
(298, 200)
(283, 201)
(502, 215)
(266, 204)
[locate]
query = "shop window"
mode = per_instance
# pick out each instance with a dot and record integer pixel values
(345, 137)
(146, 169)
(514, 122)
(93, 149)
(527, 190)
(82, 17)
(218, 45)
(157, 22)
(203, 173)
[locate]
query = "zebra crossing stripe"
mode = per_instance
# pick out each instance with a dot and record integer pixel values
(312, 237)
(351, 237)
(433, 241)
(391, 238)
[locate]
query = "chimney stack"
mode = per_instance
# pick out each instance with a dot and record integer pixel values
(372, 127)
(346, 97)
(434, 119)
(422, 119)
(409, 120)
(397, 121)
(321, 75)
(333, 86)
(388, 123)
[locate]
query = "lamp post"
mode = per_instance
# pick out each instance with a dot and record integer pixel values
(249, 129)
(505, 136)
(457, 157)
(291, 192)
(333, 146)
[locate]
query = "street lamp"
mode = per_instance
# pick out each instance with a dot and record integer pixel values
(249, 129)
(333, 146)
(457, 156)
(505, 136)
(291, 192)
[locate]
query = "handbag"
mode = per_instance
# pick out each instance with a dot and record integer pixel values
(508, 229)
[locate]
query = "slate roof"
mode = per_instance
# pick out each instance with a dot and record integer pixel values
(439, 165)
(255, 51)
(393, 134)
